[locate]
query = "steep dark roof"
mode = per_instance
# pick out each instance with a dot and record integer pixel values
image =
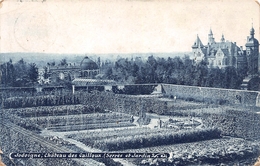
(197, 43)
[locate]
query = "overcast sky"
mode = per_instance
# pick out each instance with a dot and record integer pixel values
(120, 26)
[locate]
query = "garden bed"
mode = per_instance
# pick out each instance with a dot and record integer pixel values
(110, 140)
(226, 151)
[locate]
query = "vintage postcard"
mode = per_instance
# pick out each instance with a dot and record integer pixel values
(129, 82)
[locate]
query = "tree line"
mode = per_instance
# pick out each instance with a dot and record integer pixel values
(181, 71)
(18, 74)
(176, 70)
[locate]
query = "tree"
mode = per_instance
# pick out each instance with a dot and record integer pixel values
(33, 72)
(231, 78)
(8, 73)
(109, 73)
(21, 68)
(211, 77)
(200, 74)
(150, 68)
(217, 78)
(45, 74)
(175, 70)
(18, 74)
(189, 70)
(254, 84)
(99, 62)
(63, 62)
(161, 69)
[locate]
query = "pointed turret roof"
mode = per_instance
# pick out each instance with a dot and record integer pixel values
(197, 43)
(210, 32)
(222, 38)
(251, 41)
(252, 31)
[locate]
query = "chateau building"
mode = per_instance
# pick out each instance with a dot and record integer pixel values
(225, 53)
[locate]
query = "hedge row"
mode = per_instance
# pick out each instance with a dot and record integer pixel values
(55, 110)
(165, 137)
(236, 123)
(51, 100)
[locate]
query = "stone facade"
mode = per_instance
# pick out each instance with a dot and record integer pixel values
(225, 53)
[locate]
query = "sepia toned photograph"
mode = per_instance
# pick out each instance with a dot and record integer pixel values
(129, 83)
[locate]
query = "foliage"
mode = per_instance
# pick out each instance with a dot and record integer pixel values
(235, 123)
(183, 71)
(61, 110)
(18, 102)
(224, 151)
(155, 137)
(63, 62)
(91, 126)
(254, 84)
(33, 72)
(18, 74)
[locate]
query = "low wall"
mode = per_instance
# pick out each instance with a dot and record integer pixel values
(240, 97)
(231, 96)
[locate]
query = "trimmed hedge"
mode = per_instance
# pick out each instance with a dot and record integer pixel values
(50, 100)
(165, 137)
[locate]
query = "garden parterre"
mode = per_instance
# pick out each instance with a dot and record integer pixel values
(65, 107)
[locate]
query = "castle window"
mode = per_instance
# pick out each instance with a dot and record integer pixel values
(61, 75)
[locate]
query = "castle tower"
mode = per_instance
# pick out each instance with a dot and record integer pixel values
(222, 38)
(197, 44)
(211, 39)
(252, 54)
(198, 50)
